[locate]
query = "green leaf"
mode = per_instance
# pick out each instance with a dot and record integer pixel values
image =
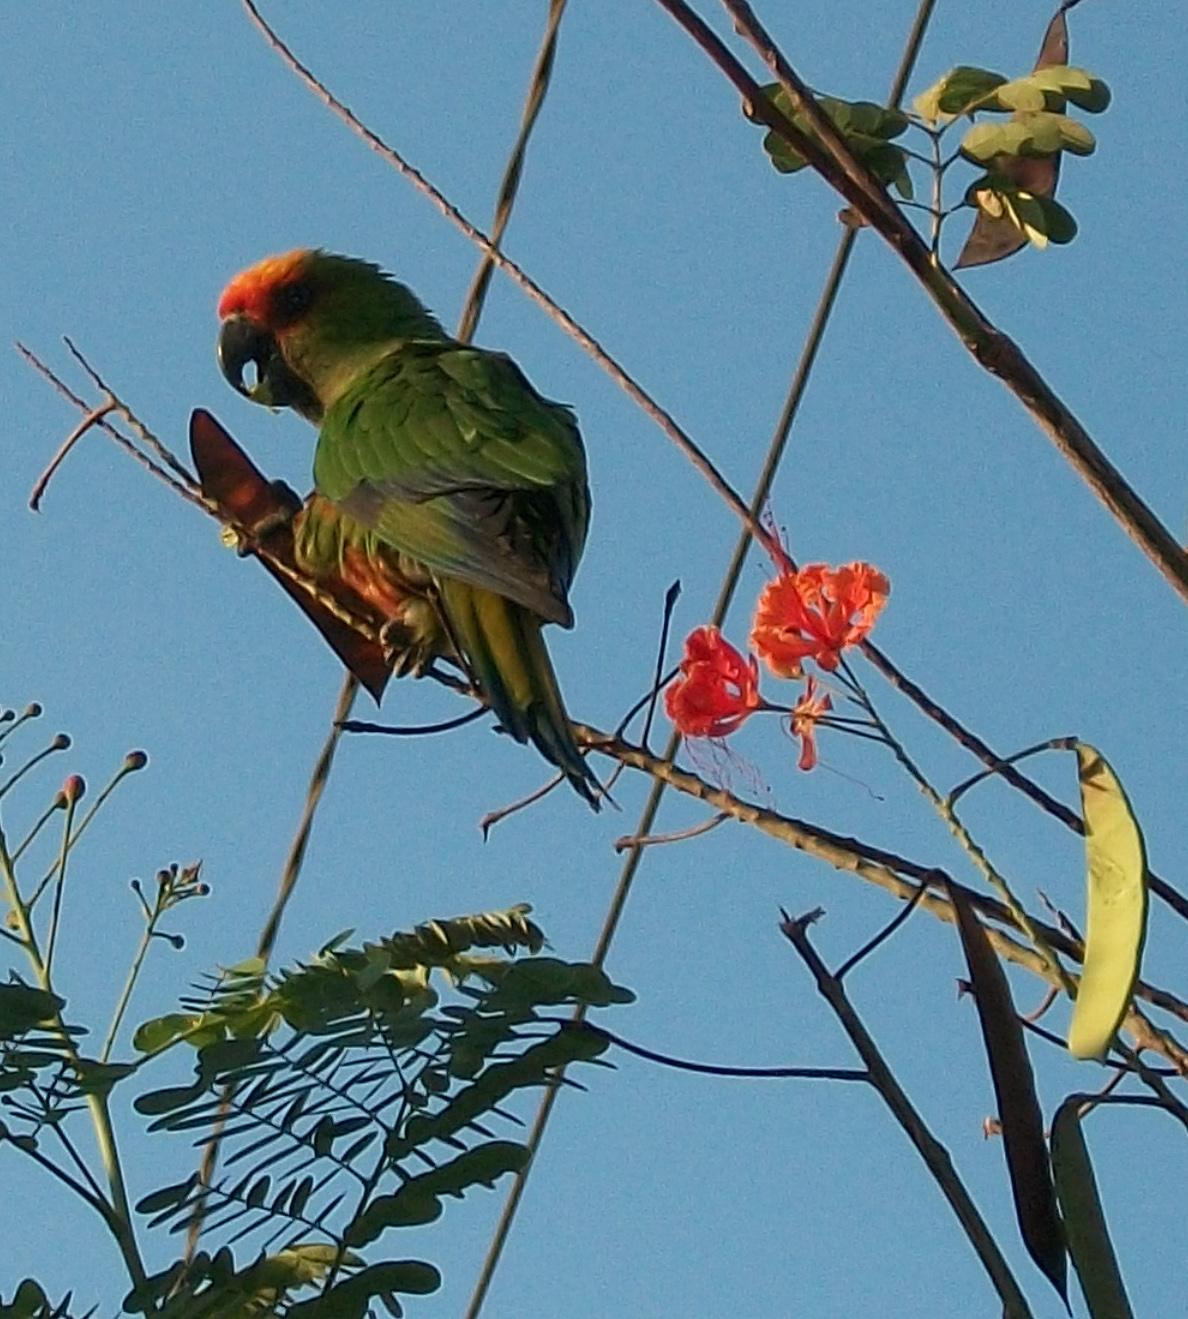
(1018, 1106)
(167, 1196)
(259, 1192)
(227, 1056)
(22, 1007)
(994, 237)
(349, 1299)
(535, 981)
(1116, 907)
(29, 1302)
(1040, 133)
(160, 1032)
(1040, 220)
(419, 1199)
(96, 1078)
(168, 1099)
(955, 93)
(1050, 87)
(867, 128)
(1089, 1241)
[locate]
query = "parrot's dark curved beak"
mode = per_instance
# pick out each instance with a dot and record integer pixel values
(242, 341)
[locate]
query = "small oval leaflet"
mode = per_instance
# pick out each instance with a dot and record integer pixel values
(1116, 906)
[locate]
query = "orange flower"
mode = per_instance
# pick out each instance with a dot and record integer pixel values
(815, 613)
(717, 688)
(805, 714)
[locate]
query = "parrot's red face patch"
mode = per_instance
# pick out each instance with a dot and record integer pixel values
(273, 293)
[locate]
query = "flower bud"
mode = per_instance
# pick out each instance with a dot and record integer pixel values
(72, 790)
(135, 760)
(61, 742)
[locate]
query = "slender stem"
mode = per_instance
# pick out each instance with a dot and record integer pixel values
(891, 872)
(944, 808)
(538, 86)
(715, 1069)
(900, 918)
(967, 738)
(938, 215)
(60, 743)
(118, 1212)
(130, 982)
(101, 1207)
(56, 913)
(83, 824)
(936, 1157)
(268, 935)
(831, 156)
(313, 797)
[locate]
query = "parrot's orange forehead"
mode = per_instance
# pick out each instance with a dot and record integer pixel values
(249, 293)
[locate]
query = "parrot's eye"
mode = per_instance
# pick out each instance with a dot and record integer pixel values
(290, 300)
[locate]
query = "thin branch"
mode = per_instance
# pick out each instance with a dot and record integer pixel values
(829, 154)
(936, 1157)
(714, 1069)
(501, 813)
(692, 451)
(267, 941)
(95, 415)
(887, 870)
(538, 86)
(117, 1212)
(59, 887)
(1006, 771)
(678, 836)
(97, 1202)
(178, 487)
(885, 933)
(170, 460)
(413, 730)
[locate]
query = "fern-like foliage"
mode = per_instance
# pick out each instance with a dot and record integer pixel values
(354, 1094)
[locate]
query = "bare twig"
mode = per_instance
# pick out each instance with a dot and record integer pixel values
(96, 414)
(412, 730)
(692, 451)
(713, 1069)
(678, 836)
(828, 153)
(538, 86)
(501, 813)
(936, 1157)
(891, 872)
(886, 932)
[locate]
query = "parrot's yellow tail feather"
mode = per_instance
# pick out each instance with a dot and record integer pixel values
(502, 644)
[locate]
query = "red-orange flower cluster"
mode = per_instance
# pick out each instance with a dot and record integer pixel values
(815, 613)
(717, 687)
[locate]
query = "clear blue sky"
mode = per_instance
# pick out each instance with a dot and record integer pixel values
(149, 155)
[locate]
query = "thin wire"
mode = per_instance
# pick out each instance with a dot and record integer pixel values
(729, 584)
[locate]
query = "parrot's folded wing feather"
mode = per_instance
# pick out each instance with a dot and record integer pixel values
(454, 459)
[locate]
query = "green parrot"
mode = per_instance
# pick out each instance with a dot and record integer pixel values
(453, 477)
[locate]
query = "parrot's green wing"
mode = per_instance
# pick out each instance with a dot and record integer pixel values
(451, 456)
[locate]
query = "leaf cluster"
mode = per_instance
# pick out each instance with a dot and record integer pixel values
(353, 1094)
(1011, 189)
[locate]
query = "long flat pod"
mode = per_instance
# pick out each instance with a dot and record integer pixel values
(1116, 906)
(1018, 1105)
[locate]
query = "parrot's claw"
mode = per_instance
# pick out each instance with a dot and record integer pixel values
(404, 649)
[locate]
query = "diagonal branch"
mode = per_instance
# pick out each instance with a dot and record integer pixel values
(936, 1157)
(829, 154)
